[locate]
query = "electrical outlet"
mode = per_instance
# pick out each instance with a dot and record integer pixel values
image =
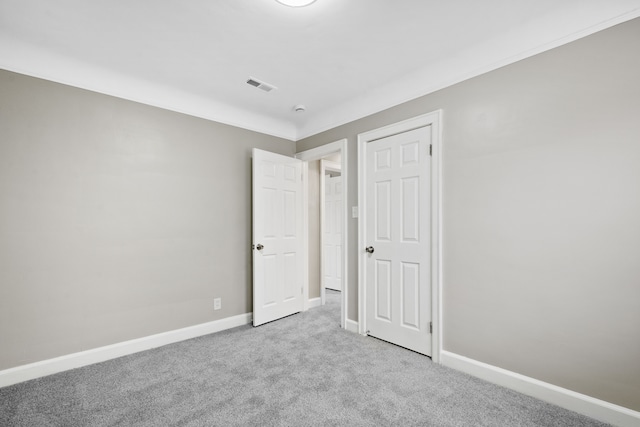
(217, 303)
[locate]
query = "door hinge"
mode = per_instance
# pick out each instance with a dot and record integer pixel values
(430, 327)
(301, 290)
(430, 149)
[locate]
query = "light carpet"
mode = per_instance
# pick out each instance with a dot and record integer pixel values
(299, 371)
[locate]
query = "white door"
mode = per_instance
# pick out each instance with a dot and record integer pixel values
(398, 236)
(277, 236)
(332, 239)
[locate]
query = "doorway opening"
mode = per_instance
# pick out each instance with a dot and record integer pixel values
(330, 232)
(331, 158)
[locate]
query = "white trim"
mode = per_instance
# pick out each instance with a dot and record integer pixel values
(316, 154)
(315, 302)
(101, 354)
(437, 280)
(433, 119)
(352, 326)
(324, 150)
(568, 399)
(305, 235)
(322, 227)
(362, 190)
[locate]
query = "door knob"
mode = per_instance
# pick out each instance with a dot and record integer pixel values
(260, 246)
(369, 249)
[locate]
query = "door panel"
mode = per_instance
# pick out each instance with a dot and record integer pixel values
(410, 283)
(269, 271)
(410, 206)
(277, 236)
(398, 288)
(383, 211)
(290, 282)
(383, 289)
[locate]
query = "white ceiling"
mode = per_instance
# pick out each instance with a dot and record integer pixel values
(342, 59)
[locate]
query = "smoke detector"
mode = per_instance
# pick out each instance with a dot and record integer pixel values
(261, 85)
(299, 108)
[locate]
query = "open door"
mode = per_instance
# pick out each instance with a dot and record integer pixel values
(277, 236)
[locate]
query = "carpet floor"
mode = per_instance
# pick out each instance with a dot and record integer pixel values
(299, 371)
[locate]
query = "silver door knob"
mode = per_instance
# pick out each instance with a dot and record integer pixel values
(369, 249)
(260, 246)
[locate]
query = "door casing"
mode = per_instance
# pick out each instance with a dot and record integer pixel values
(434, 121)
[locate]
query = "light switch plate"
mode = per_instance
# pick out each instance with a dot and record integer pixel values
(354, 212)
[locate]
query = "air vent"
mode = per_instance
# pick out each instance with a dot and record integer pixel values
(261, 85)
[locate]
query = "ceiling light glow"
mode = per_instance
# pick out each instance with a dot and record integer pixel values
(296, 3)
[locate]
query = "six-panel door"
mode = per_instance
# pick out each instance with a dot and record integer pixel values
(277, 236)
(398, 291)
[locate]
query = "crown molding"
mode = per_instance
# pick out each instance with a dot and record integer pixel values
(33, 61)
(472, 63)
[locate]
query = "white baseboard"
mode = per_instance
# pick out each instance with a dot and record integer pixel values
(351, 326)
(315, 302)
(101, 354)
(577, 402)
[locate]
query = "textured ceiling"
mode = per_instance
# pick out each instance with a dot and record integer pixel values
(342, 59)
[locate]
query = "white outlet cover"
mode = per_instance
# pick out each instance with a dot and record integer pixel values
(354, 212)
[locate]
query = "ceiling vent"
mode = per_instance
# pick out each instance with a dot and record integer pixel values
(261, 85)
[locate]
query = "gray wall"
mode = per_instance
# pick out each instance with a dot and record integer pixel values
(117, 220)
(541, 187)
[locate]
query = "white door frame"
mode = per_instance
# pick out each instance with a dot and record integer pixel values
(434, 120)
(317, 154)
(325, 165)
